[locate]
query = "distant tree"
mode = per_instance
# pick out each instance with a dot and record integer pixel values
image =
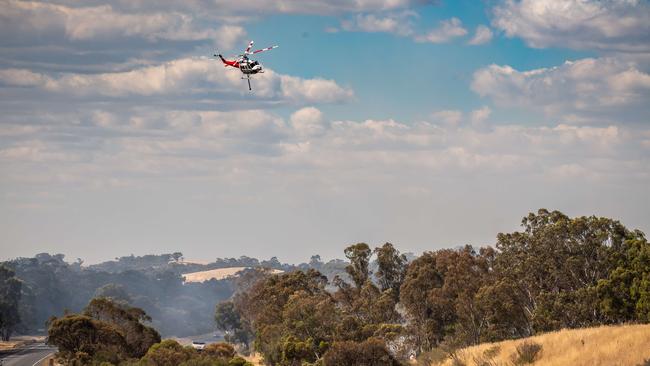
(315, 262)
(359, 256)
(10, 291)
(391, 268)
(115, 292)
(229, 320)
(177, 256)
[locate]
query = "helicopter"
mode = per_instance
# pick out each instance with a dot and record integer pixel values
(247, 66)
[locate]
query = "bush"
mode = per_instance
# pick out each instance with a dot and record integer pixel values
(487, 357)
(371, 352)
(526, 353)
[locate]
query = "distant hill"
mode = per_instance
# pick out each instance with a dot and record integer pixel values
(624, 345)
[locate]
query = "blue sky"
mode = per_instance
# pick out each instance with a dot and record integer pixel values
(426, 124)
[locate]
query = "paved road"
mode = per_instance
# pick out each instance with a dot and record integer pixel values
(27, 356)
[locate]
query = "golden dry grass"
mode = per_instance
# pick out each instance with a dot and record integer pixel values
(255, 359)
(19, 341)
(217, 274)
(625, 345)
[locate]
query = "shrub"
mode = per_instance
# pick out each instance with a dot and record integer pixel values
(487, 357)
(371, 352)
(526, 353)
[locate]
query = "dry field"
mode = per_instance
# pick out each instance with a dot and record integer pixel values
(626, 345)
(217, 274)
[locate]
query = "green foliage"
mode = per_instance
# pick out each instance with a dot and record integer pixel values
(526, 353)
(391, 268)
(229, 320)
(558, 272)
(625, 294)
(359, 256)
(81, 339)
(168, 353)
(106, 331)
(10, 291)
(371, 352)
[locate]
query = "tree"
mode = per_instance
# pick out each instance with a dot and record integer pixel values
(10, 291)
(168, 353)
(391, 268)
(128, 320)
(115, 292)
(81, 339)
(439, 295)
(229, 320)
(106, 331)
(555, 264)
(625, 294)
(371, 352)
(280, 310)
(359, 256)
(177, 256)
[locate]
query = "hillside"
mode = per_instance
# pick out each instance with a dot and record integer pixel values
(626, 345)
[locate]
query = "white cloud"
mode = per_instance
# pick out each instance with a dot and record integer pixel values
(448, 29)
(449, 118)
(307, 121)
(181, 77)
(480, 115)
(483, 35)
(609, 25)
(395, 23)
(586, 85)
(102, 22)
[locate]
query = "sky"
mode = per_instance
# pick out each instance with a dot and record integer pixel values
(427, 124)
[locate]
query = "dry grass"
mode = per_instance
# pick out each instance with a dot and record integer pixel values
(19, 341)
(625, 345)
(217, 274)
(255, 359)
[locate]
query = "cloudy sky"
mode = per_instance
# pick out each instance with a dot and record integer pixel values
(428, 124)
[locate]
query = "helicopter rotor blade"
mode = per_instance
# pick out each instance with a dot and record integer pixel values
(250, 45)
(262, 50)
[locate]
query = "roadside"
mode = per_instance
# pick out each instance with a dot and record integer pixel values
(20, 341)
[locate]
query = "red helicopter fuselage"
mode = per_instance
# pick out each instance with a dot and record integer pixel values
(246, 65)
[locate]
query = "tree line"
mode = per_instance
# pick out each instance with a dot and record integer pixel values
(557, 272)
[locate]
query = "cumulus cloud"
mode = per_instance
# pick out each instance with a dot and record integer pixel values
(610, 25)
(586, 85)
(449, 118)
(395, 23)
(448, 30)
(483, 35)
(181, 77)
(192, 143)
(307, 121)
(100, 22)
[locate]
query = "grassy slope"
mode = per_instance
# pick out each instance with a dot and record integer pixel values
(627, 345)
